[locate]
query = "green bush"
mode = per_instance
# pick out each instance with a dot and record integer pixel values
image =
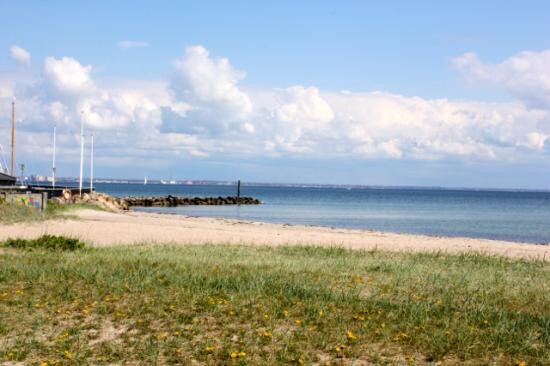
(49, 242)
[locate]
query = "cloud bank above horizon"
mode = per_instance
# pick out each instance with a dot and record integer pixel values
(202, 110)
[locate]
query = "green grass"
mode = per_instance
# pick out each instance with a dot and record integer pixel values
(46, 242)
(257, 306)
(12, 213)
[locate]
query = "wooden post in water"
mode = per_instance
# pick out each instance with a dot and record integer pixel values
(239, 191)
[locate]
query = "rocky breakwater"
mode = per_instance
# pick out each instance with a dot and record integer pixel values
(172, 201)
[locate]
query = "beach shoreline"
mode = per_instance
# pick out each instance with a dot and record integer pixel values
(101, 228)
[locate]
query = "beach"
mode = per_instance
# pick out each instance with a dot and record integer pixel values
(101, 228)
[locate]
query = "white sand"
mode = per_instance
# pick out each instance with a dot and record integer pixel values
(104, 228)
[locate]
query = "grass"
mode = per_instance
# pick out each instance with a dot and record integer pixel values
(260, 306)
(13, 213)
(47, 242)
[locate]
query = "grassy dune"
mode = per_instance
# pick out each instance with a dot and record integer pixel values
(257, 305)
(12, 213)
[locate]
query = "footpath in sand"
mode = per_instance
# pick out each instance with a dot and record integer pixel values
(101, 228)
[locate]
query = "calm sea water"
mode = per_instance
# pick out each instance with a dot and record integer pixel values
(506, 215)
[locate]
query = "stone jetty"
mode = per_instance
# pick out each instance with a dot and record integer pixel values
(171, 201)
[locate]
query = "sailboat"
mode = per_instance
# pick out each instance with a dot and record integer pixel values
(145, 181)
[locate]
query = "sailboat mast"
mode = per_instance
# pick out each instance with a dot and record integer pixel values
(53, 159)
(12, 137)
(92, 165)
(81, 152)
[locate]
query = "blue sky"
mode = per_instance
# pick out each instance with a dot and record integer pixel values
(287, 65)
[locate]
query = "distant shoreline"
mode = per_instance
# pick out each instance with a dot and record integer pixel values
(185, 182)
(101, 228)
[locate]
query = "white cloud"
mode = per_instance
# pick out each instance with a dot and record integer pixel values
(20, 54)
(202, 111)
(132, 44)
(304, 106)
(525, 75)
(68, 76)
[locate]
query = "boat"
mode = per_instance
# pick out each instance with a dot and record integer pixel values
(145, 181)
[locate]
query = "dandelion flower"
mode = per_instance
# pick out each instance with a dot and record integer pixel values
(351, 336)
(234, 355)
(242, 354)
(298, 322)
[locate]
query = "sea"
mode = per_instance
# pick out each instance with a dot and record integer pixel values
(520, 216)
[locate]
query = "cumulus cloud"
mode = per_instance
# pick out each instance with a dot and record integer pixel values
(19, 54)
(525, 75)
(202, 110)
(132, 44)
(210, 88)
(68, 76)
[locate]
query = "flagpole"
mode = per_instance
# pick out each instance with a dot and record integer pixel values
(12, 172)
(53, 160)
(81, 151)
(92, 166)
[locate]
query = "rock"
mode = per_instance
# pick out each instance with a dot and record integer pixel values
(172, 201)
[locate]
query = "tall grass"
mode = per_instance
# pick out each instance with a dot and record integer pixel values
(256, 305)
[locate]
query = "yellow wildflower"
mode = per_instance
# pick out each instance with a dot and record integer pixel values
(351, 336)
(285, 313)
(67, 355)
(209, 349)
(522, 363)
(234, 355)
(242, 354)
(321, 313)
(298, 322)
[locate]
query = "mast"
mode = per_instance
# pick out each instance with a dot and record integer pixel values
(12, 136)
(81, 151)
(92, 165)
(53, 160)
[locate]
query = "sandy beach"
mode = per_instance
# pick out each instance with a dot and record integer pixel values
(101, 228)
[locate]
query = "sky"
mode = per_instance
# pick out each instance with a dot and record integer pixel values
(430, 93)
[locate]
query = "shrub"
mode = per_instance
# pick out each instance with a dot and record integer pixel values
(48, 242)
